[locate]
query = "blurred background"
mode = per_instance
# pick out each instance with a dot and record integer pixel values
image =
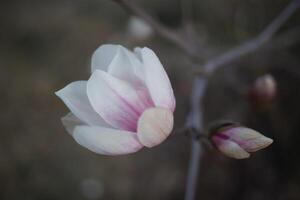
(48, 44)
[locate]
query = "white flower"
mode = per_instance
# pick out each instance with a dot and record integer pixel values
(126, 104)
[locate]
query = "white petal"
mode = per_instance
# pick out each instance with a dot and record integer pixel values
(138, 53)
(107, 141)
(154, 126)
(70, 121)
(257, 144)
(156, 79)
(118, 103)
(103, 56)
(248, 139)
(126, 66)
(75, 97)
(230, 148)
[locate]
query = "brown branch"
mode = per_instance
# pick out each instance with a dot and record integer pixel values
(254, 44)
(286, 39)
(188, 20)
(195, 43)
(194, 119)
(159, 28)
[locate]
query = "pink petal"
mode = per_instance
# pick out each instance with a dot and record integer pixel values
(156, 79)
(248, 139)
(118, 103)
(107, 141)
(75, 97)
(229, 148)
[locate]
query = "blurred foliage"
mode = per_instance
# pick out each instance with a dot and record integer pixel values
(47, 44)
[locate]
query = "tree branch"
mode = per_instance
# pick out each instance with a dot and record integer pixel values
(254, 44)
(194, 119)
(193, 171)
(188, 20)
(159, 28)
(195, 116)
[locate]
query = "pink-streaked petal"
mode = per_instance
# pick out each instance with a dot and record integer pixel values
(229, 148)
(248, 139)
(103, 56)
(126, 66)
(70, 121)
(256, 144)
(107, 141)
(116, 101)
(154, 126)
(156, 79)
(75, 97)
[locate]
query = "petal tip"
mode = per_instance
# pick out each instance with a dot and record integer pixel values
(154, 126)
(58, 93)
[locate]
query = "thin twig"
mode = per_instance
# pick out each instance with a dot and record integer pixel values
(194, 165)
(195, 43)
(160, 29)
(254, 44)
(194, 119)
(286, 39)
(188, 20)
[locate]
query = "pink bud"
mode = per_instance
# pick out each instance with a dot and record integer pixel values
(238, 142)
(263, 90)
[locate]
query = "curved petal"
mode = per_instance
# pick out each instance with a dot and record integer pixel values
(248, 139)
(156, 79)
(70, 121)
(75, 97)
(107, 141)
(230, 148)
(154, 126)
(103, 56)
(126, 66)
(116, 101)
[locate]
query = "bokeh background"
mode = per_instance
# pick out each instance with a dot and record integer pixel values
(45, 45)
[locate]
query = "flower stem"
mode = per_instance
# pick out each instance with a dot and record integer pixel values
(194, 165)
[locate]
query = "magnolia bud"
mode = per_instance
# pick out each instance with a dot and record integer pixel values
(263, 89)
(238, 142)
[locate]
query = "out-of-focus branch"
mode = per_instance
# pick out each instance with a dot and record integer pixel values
(194, 119)
(288, 38)
(193, 171)
(159, 28)
(188, 20)
(196, 43)
(254, 44)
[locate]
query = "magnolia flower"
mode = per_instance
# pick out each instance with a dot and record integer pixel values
(238, 142)
(126, 104)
